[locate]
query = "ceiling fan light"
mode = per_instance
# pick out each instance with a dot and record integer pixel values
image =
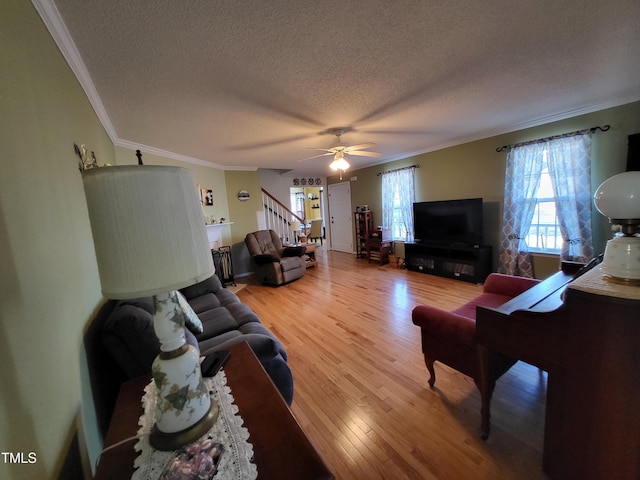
(339, 162)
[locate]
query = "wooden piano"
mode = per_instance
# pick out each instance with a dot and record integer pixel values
(585, 332)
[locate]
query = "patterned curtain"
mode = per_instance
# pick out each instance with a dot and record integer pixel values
(398, 195)
(522, 178)
(570, 169)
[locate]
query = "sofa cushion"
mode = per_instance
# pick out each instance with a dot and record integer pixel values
(191, 320)
(291, 263)
(262, 242)
(242, 313)
(209, 285)
(266, 258)
(129, 336)
(216, 321)
(440, 326)
(292, 251)
(266, 350)
(508, 285)
(226, 297)
(485, 300)
(263, 346)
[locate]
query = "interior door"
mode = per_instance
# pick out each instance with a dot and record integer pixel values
(340, 217)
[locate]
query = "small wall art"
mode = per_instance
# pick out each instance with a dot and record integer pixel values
(206, 196)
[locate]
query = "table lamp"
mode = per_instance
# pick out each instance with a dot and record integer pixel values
(150, 240)
(295, 228)
(619, 199)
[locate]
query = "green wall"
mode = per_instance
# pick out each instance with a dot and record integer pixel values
(48, 276)
(244, 215)
(49, 280)
(475, 169)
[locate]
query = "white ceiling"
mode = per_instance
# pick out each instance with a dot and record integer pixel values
(245, 84)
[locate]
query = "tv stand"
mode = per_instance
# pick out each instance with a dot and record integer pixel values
(459, 261)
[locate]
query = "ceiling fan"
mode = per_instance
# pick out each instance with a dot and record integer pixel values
(339, 150)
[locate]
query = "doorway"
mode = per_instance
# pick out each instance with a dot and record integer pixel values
(308, 203)
(340, 217)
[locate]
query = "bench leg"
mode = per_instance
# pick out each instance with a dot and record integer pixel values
(429, 363)
(485, 384)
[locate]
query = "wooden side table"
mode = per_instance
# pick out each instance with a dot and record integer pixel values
(311, 255)
(281, 448)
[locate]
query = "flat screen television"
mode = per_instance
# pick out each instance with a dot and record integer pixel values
(449, 222)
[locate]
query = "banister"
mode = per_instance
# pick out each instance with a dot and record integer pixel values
(279, 217)
(284, 207)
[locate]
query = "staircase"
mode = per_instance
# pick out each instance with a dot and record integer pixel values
(278, 217)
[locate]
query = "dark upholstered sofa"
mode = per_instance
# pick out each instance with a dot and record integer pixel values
(122, 344)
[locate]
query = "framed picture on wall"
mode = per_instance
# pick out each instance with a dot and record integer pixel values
(206, 196)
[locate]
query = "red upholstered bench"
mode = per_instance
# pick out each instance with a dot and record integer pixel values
(450, 337)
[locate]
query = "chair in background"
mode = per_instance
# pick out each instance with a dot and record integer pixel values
(274, 263)
(316, 230)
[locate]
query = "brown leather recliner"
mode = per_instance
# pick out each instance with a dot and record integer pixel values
(275, 264)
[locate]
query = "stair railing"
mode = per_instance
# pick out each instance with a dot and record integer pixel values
(278, 217)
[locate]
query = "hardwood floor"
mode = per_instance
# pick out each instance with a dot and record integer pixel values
(361, 391)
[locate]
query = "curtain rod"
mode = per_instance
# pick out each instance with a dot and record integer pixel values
(554, 137)
(398, 169)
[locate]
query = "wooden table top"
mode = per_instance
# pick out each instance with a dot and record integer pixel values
(281, 449)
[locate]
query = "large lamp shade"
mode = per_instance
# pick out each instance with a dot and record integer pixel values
(619, 197)
(150, 239)
(148, 229)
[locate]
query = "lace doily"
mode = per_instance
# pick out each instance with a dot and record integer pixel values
(236, 460)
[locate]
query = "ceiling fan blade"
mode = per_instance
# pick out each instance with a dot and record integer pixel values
(365, 154)
(322, 149)
(316, 156)
(360, 146)
(269, 143)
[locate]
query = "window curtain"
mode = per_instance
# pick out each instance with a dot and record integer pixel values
(570, 169)
(398, 195)
(522, 179)
(569, 161)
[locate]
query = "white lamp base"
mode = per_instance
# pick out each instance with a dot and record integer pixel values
(184, 410)
(172, 441)
(621, 263)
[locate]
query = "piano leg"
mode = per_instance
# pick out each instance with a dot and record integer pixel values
(429, 363)
(486, 385)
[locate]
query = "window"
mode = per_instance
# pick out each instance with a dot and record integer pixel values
(544, 232)
(399, 230)
(397, 203)
(547, 202)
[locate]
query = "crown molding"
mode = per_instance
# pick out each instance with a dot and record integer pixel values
(177, 156)
(516, 127)
(53, 21)
(58, 30)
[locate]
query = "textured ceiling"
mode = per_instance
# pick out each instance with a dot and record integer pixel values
(258, 83)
